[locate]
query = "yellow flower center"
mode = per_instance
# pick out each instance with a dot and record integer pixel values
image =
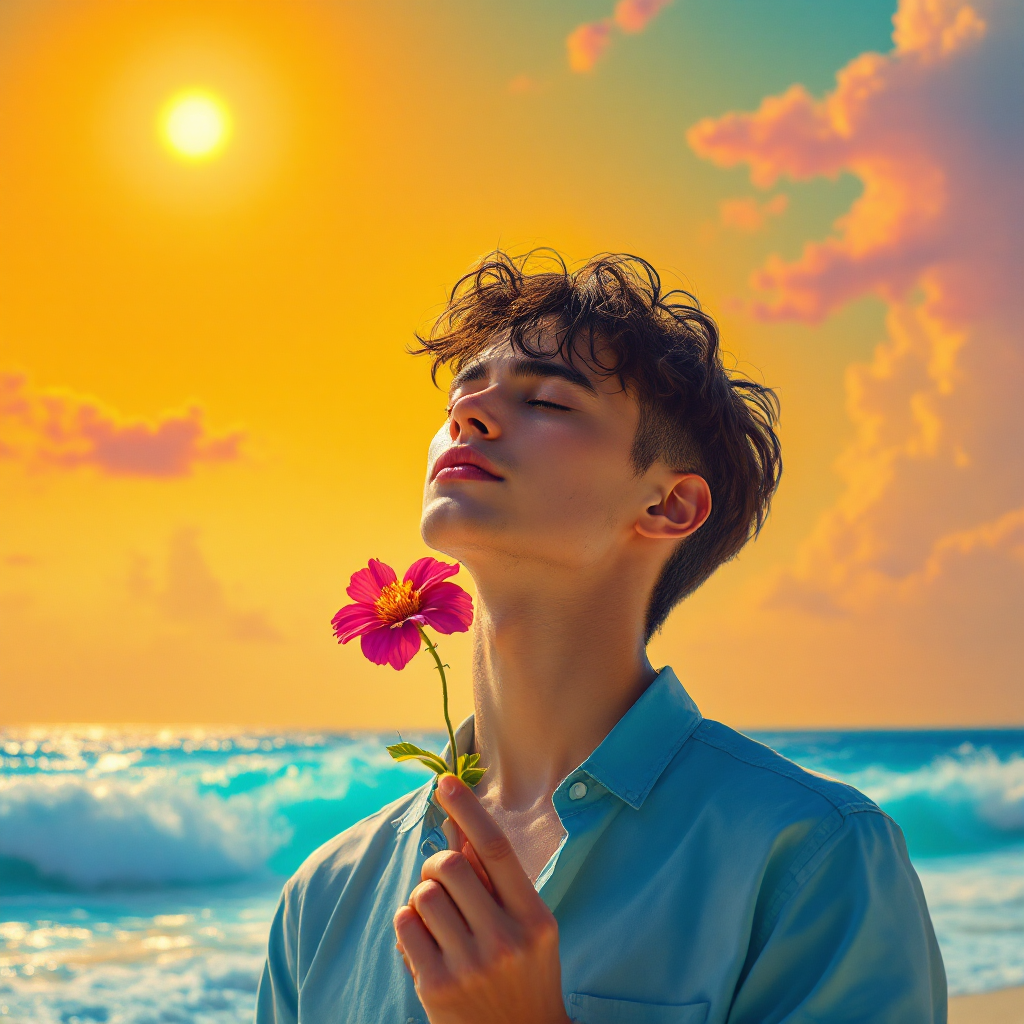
(397, 602)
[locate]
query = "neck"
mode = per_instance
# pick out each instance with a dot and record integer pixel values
(557, 661)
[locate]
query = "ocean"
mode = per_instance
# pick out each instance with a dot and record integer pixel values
(140, 867)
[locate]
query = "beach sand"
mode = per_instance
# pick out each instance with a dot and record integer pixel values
(1003, 1007)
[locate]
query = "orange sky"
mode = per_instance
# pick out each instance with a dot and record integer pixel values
(208, 420)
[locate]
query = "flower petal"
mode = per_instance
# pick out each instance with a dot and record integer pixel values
(406, 646)
(391, 645)
(366, 584)
(426, 571)
(448, 622)
(376, 645)
(447, 607)
(353, 620)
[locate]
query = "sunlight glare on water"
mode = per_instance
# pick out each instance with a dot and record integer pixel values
(139, 869)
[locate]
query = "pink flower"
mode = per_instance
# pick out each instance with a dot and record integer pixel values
(388, 614)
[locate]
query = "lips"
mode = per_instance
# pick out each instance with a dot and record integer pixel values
(463, 462)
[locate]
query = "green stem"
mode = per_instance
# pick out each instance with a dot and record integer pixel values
(444, 696)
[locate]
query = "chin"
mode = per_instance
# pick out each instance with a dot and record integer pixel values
(452, 525)
(458, 525)
(473, 533)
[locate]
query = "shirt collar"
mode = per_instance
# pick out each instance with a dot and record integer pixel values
(628, 761)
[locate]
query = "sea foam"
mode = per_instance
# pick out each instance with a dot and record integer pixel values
(134, 831)
(967, 801)
(109, 813)
(139, 868)
(177, 812)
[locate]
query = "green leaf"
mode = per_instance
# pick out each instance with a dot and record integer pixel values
(468, 770)
(471, 776)
(410, 752)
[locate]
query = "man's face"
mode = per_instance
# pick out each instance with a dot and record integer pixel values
(554, 482)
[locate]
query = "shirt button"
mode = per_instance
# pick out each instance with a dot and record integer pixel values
(577, 791)
(428, 847)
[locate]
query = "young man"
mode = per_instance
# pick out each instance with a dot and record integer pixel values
(623, 860)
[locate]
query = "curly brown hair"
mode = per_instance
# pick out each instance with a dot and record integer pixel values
(695, 415)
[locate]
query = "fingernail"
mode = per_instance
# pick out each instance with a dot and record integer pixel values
(448, 785)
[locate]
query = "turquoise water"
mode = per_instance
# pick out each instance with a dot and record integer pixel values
(139, 868)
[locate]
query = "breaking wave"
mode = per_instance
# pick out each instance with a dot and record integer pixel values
(968, 801)
(158, 809)
(153, 817)
(154, 830)
(202, 825)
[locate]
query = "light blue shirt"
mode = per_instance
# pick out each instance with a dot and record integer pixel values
(703, 879)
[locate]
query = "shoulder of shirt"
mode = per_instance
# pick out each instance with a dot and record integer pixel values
(831, 810)
(330, 865)
(761, 759)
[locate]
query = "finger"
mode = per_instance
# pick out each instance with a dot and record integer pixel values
(511, 884)
(401, 953)
(422, 956)
(457, 841)
(453, 834)
(474, 902)
(470, 854)
(441, 916)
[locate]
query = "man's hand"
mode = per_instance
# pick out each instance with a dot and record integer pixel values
(475, 956)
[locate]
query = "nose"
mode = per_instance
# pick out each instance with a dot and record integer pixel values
(471, 417)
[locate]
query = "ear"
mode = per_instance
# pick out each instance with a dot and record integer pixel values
(684, 509)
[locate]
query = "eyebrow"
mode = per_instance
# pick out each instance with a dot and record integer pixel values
(526, 368)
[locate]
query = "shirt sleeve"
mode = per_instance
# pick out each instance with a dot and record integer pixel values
(851, 939)
(277, 999)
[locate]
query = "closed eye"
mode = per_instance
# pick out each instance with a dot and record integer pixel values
(548, 405)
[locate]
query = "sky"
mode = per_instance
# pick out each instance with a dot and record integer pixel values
(209, 420)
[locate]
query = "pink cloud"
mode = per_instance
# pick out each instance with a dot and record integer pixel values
(523, 85)
(60, 429)
(635, 15)
(587, 43)
(19, 560)
(885, 122)
(935, 28)
(746, 214)
(1005, 535)
(926, 540)
(192, 595)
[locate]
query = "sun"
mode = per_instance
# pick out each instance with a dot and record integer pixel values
(195, 125)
